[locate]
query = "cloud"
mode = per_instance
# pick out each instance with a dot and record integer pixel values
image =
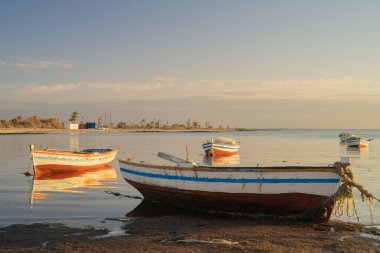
(33, 64)
(46, 89)
(118, 87)
(42, 65)
(344, 88)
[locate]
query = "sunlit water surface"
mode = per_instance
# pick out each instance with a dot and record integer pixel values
(82, 199)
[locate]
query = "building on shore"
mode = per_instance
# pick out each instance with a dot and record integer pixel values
(71, 126)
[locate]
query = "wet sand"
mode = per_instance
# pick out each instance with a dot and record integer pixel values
(193, 233)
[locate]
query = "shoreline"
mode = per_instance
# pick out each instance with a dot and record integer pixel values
(6, 131)
(181, 233)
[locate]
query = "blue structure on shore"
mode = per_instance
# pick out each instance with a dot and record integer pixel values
(90, 125)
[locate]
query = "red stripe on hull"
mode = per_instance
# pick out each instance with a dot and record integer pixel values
(218, 152)
(57, 168)
(278, 204)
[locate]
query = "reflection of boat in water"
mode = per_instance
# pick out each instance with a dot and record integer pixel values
(356, 150)
(47, 160)
(275, 190)
(221, 146)
(222, 160)
(70, 182)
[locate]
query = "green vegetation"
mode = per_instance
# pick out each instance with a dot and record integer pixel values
(155, 124)
(74, 117)
(32, 122)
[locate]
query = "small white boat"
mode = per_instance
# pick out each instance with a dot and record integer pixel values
(53, 160)
(221, 146)
(357, 141)
(280, 190)
(343, 137)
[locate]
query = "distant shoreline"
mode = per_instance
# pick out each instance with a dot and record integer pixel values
(6, 131)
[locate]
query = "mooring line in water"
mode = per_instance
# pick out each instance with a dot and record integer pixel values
(344, 196)
(118, 194)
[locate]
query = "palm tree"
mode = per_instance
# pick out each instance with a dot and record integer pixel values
(74, 117)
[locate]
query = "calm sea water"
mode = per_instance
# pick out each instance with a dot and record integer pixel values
(81, 199)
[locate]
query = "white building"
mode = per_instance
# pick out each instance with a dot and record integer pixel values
(71, 126)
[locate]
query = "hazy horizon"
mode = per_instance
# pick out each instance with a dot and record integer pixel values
(251, 64)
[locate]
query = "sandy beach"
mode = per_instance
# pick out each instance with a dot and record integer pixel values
(191, 233)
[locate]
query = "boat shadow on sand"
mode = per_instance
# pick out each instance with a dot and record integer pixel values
(151, 208)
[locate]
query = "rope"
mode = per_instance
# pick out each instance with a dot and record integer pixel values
(118, 194)
(344, 197)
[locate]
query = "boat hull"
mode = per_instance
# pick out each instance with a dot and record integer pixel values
(357, 143)
(46, 161)
(213, 149)
(343, 137)
(244, 190)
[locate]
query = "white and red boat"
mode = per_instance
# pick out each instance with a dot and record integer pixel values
(221, 146)
(343, 137)
(284, 191)
(357, 142)
(54, 160)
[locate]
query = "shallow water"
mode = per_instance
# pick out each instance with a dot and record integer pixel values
(81, 199)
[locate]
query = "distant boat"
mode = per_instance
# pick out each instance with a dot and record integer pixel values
(54, 160)
(221, 146)
(280, 191)
(343, 137)
(357, 141)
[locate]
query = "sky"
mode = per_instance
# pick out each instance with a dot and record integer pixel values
(251, 64)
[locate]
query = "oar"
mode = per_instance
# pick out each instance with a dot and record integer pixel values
(179, 161)
(171, 158)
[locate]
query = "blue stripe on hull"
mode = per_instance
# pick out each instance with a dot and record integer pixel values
(233, 180)
(219, 146)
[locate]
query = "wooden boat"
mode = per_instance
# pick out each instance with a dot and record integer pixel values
(357, 142)
(48, 160)
(290, 190)
(343, 137)
(221, 146)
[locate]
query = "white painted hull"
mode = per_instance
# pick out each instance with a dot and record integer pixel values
(288, 189)
(220, 149)
(58, 160)
(343, 137)
(272, 182)
(357, 142)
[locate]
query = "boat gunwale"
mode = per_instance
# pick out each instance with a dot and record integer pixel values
(234, 168)
(70, 152)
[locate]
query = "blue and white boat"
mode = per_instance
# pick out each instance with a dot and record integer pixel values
(274, 190)
(343, 137)
(222, 146)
